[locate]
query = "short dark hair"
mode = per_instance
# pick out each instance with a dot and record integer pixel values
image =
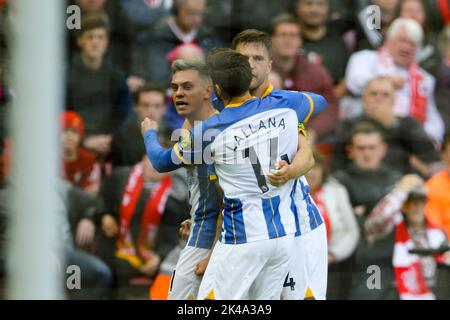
(148, 87)
(283, 18)
(230, 70)
(253, 36)
(91, 21)
(364, 128)
(446, 143)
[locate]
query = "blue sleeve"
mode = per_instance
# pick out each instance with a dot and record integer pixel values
(161, 159)
(193, 149)
(310, 105)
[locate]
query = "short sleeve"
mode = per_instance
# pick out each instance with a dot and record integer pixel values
(307, 104)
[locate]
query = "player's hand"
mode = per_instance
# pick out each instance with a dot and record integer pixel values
(110, 226)
(185, 229)
(281, 174)
(148, 124)
(85, 232)
(200, 268)
(409, 182)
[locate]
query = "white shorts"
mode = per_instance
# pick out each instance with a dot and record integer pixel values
(247, 271)
(308, 273)
(185, 283)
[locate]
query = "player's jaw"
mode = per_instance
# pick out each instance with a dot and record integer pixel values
(257, 81)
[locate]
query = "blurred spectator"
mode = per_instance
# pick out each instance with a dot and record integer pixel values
(396, 59)
(438, 13)
(133, 17)
(401, 215)
(141, 210)
(319, 38)
(366, 178)
(368, 181)
(77, 211)
(342, 229)
(92, 6)
(183, 26)
(79, 165)
(428, 54)
(369, 36)
(342, 15)
(119, 30)
(405, 137)
(127, 145)
(230, 17)
(298, 73)
(443, 78)
(96, 89)
(438, 187)
(143, 14)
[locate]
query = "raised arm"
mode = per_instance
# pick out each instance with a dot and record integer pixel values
(162, 160)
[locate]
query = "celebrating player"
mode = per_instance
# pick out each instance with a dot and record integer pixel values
(252, 257)
(308, 276)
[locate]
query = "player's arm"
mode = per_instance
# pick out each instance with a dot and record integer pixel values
(301, 164)
(162, 160)
(310, 104)
(202, 265)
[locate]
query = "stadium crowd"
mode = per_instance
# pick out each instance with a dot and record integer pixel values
(382, 147)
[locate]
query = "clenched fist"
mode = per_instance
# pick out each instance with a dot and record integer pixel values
(148, 124)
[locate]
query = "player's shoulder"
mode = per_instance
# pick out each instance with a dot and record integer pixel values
(210, 122)
(284, 96)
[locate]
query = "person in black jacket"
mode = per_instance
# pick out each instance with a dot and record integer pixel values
(127, 146)
(96, 88)
(184, 26)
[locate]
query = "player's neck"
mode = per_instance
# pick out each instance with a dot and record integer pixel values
(202, 114)
(239, 99)
(314, 33)
(259, 92)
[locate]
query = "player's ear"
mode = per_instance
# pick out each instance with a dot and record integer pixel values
(270, 67)
(209, 89)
